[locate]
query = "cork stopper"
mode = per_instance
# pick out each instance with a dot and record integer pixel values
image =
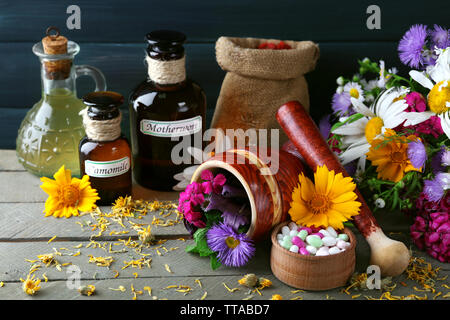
(56, 44)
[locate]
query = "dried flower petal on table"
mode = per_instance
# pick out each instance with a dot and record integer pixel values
(276, 297)
(87, 290)
(30, 285)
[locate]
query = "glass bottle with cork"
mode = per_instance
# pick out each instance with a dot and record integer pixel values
(51, 131)
(165, 109)
(105, 154)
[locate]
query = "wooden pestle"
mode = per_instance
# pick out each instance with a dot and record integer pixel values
(391, 256)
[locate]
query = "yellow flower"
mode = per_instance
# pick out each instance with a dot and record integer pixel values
(390, 155)
(68, 195)
(30, 285)
(276, 297)
(329, 201)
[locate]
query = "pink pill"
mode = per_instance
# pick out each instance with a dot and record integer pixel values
(318, 234)
(303, 251)
(315, 229)
(305, 228)
(298, 242)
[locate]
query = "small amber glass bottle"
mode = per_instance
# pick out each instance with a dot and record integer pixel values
(105, 154)
(166, 110)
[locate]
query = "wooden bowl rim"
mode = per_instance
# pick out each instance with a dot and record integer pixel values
(275, 243)
(213, 163)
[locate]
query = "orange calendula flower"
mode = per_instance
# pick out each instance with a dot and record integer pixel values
(67, 195)
(390, 155)
(329, 201)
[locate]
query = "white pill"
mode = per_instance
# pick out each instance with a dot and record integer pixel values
(286, 238)
(332, 232)
(294, 248)
(292, 226)
(341, 244)
(325, 233)
(329, 241)
(334, 250)
(311, 249)
(323, 251)
(280, 236)
(343, 236)
(293, 233)
(285, 230)
(280, 242)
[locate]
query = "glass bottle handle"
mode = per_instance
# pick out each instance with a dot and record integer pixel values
(96, 74)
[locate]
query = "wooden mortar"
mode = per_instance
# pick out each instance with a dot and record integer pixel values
(391, 256)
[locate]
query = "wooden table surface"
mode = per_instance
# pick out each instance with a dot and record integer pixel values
(25, 232)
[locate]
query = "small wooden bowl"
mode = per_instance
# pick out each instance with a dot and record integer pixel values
(311, 272)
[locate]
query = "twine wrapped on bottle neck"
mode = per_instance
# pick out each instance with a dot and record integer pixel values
(101, 130)
(166, 72)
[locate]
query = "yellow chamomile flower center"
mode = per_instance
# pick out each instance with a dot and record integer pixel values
(354, 93)
(439, 97)
(232, 242)
(373, 128)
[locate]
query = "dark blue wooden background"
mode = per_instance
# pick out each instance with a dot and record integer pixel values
(112, 39)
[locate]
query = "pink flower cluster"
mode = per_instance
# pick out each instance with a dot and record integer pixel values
(192, 198)
(432, 126)
(431, 228)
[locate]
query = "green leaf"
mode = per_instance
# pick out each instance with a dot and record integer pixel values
(215, 263)
(350, 119)
(201, 242)
(192, 248)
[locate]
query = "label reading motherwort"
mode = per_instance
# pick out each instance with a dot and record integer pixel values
(171, 128)
(107, 169)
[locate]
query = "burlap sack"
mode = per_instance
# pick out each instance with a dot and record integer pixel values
(259, 81)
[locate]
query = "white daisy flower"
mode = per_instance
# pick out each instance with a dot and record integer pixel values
(354, 90)
(388, 111)
(439, 95)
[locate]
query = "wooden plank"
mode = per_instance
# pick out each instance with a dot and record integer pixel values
(26, 221)
(25, 187)
(14, 265)
(61, 289)
(8, 161)
(116, 20)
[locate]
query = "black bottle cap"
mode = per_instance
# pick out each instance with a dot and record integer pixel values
(165, 44)
(103, 105)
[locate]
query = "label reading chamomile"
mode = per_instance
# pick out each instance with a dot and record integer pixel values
(107, 169)
(171, 128)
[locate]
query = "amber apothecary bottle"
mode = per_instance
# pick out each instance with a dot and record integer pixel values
(167, 113)
(105, 154)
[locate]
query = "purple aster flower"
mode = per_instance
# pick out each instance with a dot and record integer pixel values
(417, 154)
(444, 180)
(411, 45)
(233, 249)
(440, 37)
(433, 190)
(341, 103)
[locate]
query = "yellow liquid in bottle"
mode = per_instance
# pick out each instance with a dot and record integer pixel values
(50, 134)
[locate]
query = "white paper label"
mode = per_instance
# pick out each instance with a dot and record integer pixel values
(107, 169)
(171, 128)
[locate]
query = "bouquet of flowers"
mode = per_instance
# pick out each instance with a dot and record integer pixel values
(217, 213)
(392, 134)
